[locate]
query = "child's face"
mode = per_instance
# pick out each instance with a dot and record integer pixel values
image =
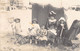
(43, 27)
(62, 21)
(17, 21)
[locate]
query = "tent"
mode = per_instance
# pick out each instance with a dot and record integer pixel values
(41, 12)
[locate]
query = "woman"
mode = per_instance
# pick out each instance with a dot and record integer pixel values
(51, 21)
(51, 26)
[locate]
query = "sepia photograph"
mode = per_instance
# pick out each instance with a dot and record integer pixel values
(39, 25)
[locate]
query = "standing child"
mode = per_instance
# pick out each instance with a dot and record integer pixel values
(12, 24)
(17, 26)
(61, 31)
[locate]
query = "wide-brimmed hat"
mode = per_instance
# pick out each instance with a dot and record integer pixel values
(62, 18)
(34, 20)
(52, 13)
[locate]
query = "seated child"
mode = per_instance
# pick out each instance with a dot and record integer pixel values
(33, 30)
(42, 34)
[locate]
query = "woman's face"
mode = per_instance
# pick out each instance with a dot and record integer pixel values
(52, 18)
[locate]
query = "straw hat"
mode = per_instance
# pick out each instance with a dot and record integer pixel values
(34, 19)
(52, 13)
(62, 18)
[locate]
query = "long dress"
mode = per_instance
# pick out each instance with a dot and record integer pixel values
(51, 26)
(59, 29)
(61, 33)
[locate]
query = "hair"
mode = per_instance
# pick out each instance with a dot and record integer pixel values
(17, 19)
(34, 20)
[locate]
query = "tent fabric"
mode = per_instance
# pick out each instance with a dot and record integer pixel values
(41, 13)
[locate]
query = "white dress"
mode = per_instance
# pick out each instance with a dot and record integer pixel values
(35, 28)
(18, 28)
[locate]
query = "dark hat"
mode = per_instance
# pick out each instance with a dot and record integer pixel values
(17, 19)
(52, 13)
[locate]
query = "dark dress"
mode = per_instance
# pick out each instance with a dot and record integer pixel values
(61, 39)
(51, 24)
(59, 29)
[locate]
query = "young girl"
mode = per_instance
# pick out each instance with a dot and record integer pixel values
(33, 31)
(12, 24)
(42, 33)
(61, 31)
(42, 36)
(62, 27)
(34, 27)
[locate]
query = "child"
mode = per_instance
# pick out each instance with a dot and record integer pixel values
(42, 33)
(61, 31)
(42, 36)
(12, 24)
(17, 26)
(33, 30)
(62, 27)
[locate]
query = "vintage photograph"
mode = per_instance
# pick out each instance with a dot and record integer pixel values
(39, 25)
